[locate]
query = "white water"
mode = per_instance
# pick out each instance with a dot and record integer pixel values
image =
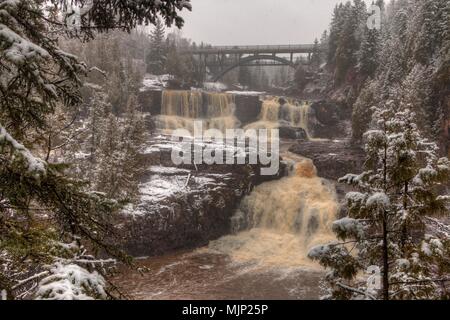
(279, 221)
(273, 114)
(275, 226)
(284, 219)
(180, 108)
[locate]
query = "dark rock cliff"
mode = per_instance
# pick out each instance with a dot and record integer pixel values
(248, 108)
(331, 120)
(183, 206)
(333, 159)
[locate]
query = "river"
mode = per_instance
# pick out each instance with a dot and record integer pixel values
(274, 227)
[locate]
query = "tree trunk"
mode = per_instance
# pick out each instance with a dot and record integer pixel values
(404, 236)
(385, 259)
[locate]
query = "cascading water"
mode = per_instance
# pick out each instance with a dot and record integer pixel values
(220, 111)
(180, 108)
(275, 114)
(274, 227)
(280, 220)
(283, 219)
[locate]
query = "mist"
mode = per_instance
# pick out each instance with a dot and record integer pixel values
(253, 22)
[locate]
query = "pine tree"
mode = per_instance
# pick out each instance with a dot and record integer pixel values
(120, 165)
(157, 55)
(427, 31)
(349, 38)
(316, 55)
(370, 95)
(413, 54)
(387, 217)
(368, 53)
(335, 31)
(40, 204)
(324, 45)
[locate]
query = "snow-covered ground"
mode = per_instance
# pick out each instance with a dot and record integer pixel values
(214, 86)
(166, 181)
(154, 82)
(247, 93)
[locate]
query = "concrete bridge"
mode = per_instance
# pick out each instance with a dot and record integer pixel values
(223, 59)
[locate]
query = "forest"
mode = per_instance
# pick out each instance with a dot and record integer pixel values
(92, 208)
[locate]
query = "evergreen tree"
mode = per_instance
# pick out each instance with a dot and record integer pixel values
(370, 95)
(349, 38)
(413, 55)
(120, 164)
(324, 46)
(41, 206)
(387, 217)
(157, 56)
(368, 53)
(335, 31)
(316, 55)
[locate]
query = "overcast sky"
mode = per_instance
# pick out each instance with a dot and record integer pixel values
(239, 22)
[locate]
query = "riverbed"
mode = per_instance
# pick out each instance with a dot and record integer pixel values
(202, 274)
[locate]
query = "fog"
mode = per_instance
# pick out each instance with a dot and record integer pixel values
(240, 22)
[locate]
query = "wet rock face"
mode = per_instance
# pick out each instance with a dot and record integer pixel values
(183, 206)
(295, 133)
(248, 108)
(331, 120)
(333, 159)
(150, 101)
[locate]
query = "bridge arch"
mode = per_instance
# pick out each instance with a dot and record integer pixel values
(252, 58)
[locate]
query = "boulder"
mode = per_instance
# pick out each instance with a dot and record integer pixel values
(248, 108)
(295, 133)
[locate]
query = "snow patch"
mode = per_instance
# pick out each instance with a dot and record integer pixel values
(215, 86)
(154, 82)
(247, 93)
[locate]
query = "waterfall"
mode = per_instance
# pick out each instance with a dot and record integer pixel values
(180, 108)
(220, 109)
(281, 220)
(290, 113)
(186, 104)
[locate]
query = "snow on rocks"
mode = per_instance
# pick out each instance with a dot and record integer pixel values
(154, 82)
(214, 86)
(247, 93)
(183, 206)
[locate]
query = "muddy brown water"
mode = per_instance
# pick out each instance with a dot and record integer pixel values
(267, 260)
(201, 275)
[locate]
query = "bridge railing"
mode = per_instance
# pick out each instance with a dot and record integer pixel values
(290, 48)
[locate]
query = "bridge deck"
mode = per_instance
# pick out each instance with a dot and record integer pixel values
(270, 49)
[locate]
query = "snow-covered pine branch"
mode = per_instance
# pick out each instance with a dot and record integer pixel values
(71, 282)
(19, 154)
